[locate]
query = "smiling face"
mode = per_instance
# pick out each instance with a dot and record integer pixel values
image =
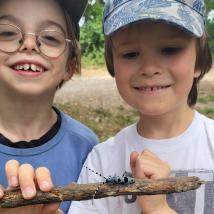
(28, 71)
(154, 66)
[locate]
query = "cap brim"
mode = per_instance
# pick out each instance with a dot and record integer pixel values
(173, 12)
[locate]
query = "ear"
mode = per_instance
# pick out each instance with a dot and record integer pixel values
(70, 70)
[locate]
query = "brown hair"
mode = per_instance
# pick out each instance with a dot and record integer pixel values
(74, 46)
(203, 63)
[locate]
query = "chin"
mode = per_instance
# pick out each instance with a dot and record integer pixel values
(152, 111)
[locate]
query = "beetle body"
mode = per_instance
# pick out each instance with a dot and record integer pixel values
(120, 180)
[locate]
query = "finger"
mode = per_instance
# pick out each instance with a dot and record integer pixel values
(133, 158)
(26, 180)
(52, 208)
(43, 177)
(152, 165)
(1, 191)
(11, 169)
(59, 211)
(148, 153)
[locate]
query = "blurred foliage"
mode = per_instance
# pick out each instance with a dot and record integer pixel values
(210, 24)
(209, 5)
(92, 39)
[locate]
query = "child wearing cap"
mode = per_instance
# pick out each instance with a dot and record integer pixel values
(157, 51)
(39, 51)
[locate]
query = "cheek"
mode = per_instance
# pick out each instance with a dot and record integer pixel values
(122, 75)
(61, 64)
(183, 66)
(184, 73)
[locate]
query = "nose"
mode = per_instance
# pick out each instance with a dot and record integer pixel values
(150, 66)
(29, 43)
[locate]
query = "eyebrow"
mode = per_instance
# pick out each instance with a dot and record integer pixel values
(9, 18)
(44, 24)
(50, 22)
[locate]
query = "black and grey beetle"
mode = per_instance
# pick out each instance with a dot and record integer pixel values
(124, 180)
(120, 180)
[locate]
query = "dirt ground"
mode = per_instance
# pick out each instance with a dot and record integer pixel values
(96, 88)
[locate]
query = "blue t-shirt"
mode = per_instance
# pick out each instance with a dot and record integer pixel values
(63, 155)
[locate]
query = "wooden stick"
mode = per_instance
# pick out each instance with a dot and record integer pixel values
(77, 192)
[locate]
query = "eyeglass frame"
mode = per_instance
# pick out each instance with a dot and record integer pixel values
(36, 36)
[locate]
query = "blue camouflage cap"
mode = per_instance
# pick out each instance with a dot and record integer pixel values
(186, 14)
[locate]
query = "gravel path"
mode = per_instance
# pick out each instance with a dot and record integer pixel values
(91, 91)
(101, 90)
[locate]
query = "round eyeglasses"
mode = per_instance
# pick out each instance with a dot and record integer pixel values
(51, 43)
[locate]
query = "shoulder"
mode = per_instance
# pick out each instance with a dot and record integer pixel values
(208, 122)
(78, 130)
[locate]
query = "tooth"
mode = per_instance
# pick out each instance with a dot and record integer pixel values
(39, 69)
(26, 67)
(33, 67)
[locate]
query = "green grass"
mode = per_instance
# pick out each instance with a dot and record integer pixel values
(106, 123)
(206, 99)
(208, 111)
(206, 105)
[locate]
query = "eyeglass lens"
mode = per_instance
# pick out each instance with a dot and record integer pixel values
(51, 43)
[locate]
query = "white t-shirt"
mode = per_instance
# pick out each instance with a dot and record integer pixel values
(189, 154)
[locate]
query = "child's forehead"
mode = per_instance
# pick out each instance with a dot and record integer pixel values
(32, 12)
(154, 29)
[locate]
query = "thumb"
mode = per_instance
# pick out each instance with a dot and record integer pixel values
(133, 158)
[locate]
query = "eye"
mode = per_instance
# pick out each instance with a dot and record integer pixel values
(51, 38)
(8, 35)
(131, 55)
(170, 50)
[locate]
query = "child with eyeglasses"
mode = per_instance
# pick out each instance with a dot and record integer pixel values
(39, 51)
(157, 50)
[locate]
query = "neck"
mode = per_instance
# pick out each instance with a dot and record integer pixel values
(165, 126)
(26, 118)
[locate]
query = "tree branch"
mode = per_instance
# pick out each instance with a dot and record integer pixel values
(78, 192)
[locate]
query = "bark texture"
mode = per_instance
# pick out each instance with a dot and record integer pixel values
(78, 192)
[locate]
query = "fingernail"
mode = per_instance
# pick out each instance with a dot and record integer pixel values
(45, 185)
(28, 192)
(13, 181)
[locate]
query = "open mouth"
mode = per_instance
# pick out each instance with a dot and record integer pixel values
(29, 67)
(152, 88)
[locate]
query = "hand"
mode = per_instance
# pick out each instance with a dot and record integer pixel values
(148, 166)
(34, 209)
(28, 180)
